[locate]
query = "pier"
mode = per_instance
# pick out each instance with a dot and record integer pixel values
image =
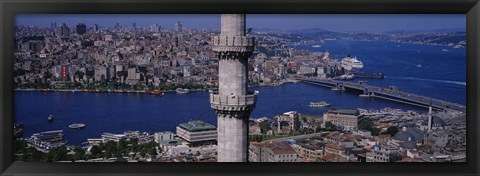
(391, 93)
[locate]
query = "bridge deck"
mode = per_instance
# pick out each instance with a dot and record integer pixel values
(389, 94)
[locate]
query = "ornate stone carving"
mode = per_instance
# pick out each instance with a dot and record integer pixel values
(233, 114)
(233, 55)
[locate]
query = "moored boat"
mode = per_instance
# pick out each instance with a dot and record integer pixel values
(319, 104)
(76, 126)
(18, 130)
(154, 92)
(351, 63)
(182, 91)
(47, 140)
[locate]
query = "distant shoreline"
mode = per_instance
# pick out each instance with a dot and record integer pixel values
(98, 91)
(132, 91)
(404, 42)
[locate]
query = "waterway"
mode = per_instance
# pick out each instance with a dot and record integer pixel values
(442, 76)
(421, 69)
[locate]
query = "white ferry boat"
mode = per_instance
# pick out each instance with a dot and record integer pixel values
(351, 63)
(47, 140)
(76, 126)
(319, 104)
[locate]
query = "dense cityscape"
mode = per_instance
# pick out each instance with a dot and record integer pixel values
(156, 61)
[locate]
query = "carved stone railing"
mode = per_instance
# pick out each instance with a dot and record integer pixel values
(232, 102)
(233, 43)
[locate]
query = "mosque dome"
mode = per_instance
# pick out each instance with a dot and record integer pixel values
(413, 133)
(436, 122)
(409, 144)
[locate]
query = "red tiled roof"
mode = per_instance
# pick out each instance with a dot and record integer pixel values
(409, 160)
(329, 157)
(335, 146)
(278, 148)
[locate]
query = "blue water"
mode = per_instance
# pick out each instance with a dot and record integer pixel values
(442, 76)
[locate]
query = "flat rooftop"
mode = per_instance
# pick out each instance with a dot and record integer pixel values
(345, 111)
(197, 125)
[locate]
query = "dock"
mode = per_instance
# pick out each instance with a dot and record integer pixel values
(391, 93)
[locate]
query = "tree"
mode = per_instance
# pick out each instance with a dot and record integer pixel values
(329, 126)
(47, 75)
(96, 151)
(32, 154)
(375, 131)
(59, 153)
(392, 130)
(79, 74)
(79, 153)
(367, 124)
(291, 71)
(265, 126)
(20, 145)
(143, 153)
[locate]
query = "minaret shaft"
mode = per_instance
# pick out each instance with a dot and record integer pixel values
(233, 25)
(233, 103)
(430, 119)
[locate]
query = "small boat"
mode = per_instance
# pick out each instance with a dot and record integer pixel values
(44, 90)
(18, 130)
(419, 66)
(444, 50)
(347, 77)
(76, 126)
(364, 95)
(319, 104)
(154, 92)
(338, 89)
(316, 46)
(182, 91)
(50, 118)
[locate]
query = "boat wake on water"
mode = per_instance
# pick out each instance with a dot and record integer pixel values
(432, 80)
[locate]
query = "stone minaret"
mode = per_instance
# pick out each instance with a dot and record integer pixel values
(233, 103)
(429, 120)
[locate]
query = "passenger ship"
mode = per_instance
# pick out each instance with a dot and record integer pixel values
(351, 63)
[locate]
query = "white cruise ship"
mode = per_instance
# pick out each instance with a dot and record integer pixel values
(351, 63)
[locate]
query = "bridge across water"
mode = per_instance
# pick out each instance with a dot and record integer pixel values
(390, 93)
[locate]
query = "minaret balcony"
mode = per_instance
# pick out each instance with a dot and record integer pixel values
(233, 43)
(233, 102)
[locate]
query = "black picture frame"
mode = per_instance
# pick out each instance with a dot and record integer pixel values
(9, 8)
